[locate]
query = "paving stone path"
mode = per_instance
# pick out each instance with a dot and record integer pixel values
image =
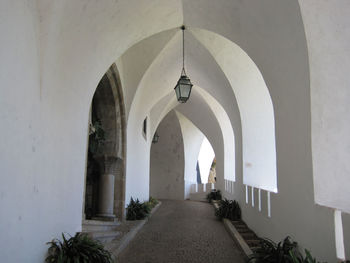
(180, 232)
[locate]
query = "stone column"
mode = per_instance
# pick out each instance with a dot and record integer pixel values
(106, 196)
(119, 190)
(106, 187)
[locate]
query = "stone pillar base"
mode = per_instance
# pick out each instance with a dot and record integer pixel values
(107, 218)
(106, 196)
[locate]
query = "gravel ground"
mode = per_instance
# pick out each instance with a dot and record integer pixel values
(182, 231)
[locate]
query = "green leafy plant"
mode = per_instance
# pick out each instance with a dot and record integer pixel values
(228, 209)
(153, 201)
(147, 206)
(298, 258)
(97, 136)
(270, 252)
(77, 249)
(213, 165)
(214, 195)
(137, 210)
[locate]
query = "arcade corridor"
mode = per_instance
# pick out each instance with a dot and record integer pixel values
(182, 231)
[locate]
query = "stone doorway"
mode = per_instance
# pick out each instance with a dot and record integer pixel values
(105, 173)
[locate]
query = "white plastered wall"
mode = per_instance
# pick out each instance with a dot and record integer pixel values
(53, 56)
(214, 87)
(162, 108)
(284, 66)
(136, 61)
(62, 56)
(192, 138)
(167, 161)
(255, 107)
(227, 131)
(194, 128)
(328, 35)
(164, 68)
(148, 94)
(201, 116)
(22, 184)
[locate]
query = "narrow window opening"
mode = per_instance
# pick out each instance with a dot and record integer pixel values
(144, 128)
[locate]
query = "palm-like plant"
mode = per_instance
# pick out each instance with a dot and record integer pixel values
(137, 210)
(228, 209)
(153, 201)
(97, 137)
(214, 195)
(298, 258)
(77, 249)
(270, 252)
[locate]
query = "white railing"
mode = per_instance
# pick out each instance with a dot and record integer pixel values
(250, 195)
(194, 188)
(261, 199)
(252, 192)
(229, 186)
(339, 235)
(201, 188)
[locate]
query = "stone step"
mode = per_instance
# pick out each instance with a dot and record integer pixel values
(239, 223)
(241, 226)
(105, 219)
(254, 248)
(246, 238)
(244, 230)
(253, 242)
(103, 236)
(96, 225)
(249, 235)
(198, 196)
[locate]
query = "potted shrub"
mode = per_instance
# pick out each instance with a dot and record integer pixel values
(137, 210)
(214, 195)
(78, 249)
(153, 201)
(269, 251)
(228, 209)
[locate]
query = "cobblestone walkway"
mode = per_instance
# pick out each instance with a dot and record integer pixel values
(179, 232)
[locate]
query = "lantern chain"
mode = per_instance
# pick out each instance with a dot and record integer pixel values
(183, 72)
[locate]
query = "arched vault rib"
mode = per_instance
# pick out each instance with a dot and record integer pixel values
(227, 131)
(206, 69)
(207, 123)
(192, 139)
(255, 106)
(137, 60)
(167, 103)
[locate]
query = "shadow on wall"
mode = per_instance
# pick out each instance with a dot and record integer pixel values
(167, 161)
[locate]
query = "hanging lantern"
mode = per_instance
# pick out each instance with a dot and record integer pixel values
(155, 138)
(184, 85)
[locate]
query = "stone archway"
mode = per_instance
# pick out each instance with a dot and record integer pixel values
(105, 174)
(119, 185)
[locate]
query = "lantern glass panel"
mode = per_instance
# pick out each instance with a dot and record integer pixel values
(177, 91)
(185, 90)
(155, 138)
